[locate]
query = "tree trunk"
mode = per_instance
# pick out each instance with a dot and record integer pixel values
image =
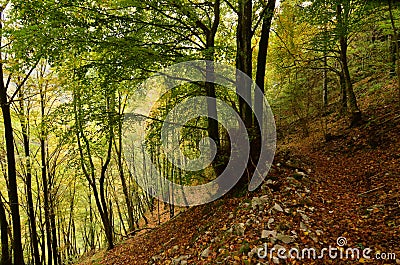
(210, 76)
(354, 110)
(396, 46)
(262, 59)
(46, 192)
(244, 59)
(28, 183)
(11, 172)
(343, 94)
(325, 85)
(5, 252)
(131, 222)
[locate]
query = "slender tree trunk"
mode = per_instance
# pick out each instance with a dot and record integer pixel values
(354, 109)
(5, 252)
(396, 46)
(98, 193)
(131, 223)
(45, 183)
(54, 241)
(343, 94)
(28, 183)
(11, 171)
(262, 59)
(325, 85)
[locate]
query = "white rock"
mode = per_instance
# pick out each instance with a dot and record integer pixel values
(268, 234)
(285, 238)
(305, 217)
(277, 207)
(270, 221)
(205, 253)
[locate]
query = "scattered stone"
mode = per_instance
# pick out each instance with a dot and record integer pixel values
(230, 216)
(270, 221)
(314, 238)
(156, 258)
(205, 253)
(269, 182)
(285, 238)
(238, 229)
(248, 222)
(305, 217)
(216, 239)
(268, 233)
(277, 207)
(299, 175)
(259, 202)
(182, 260)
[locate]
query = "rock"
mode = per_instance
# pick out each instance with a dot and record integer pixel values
(314, 238)
(293, 182)
(238, 229)
(299, 175)
(216, 239)
(182, 260)
(269, 182)
(305, 217)
(277, 207)
(156, 258)
(205, 253)
(175, 248)
(275, 260)
(268, 233)
(259, 202)
(256, 203)
(248, 222)
(270, 221)
(230, 216)
(303, 226)
(285, 238)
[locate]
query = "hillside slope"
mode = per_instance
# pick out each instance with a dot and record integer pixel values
(318, 194)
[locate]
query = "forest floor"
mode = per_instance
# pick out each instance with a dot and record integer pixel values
(343, 193)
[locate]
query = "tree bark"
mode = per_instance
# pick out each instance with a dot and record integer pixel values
(396, 46)
(28, 183)
(244, 59)
(262, 58)
(11, 171)
(5, 252)
(343, 41)
(45, 183)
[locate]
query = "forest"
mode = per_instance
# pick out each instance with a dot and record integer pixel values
(119, 117)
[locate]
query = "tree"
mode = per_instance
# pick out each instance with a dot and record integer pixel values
(344, 18)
